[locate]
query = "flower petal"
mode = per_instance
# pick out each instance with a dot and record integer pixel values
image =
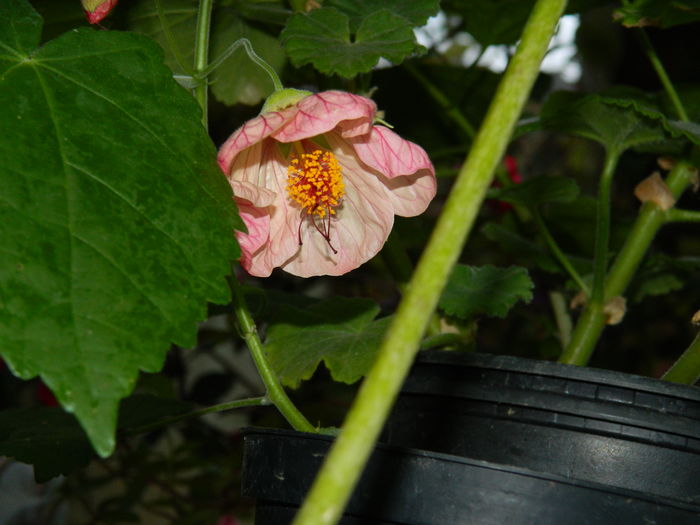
(357, 232)
(404, 167)
(251, 132)
(322, 112)
(257, 222)
(262, 165)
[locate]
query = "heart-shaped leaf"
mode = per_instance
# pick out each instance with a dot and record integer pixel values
(322, 37)
(116, 221)
(341, 332)
(485, 290)
(416, 12)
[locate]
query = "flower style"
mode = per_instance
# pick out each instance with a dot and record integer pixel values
(318, 184)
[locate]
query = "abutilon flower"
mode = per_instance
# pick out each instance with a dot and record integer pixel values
(97, 10)
(317, 183)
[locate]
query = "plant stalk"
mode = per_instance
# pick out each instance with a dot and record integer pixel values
(344, 464)
(201, 55)
(275, 391)
(687, 369)
(650, 219)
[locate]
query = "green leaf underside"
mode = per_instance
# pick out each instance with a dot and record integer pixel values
(485, 290)
(116, 221)
(616, 123)
(341, 332)
(641, 13)
(238, 79)
(538, 190)
(415, 12)
(53, 441)
(322, 38)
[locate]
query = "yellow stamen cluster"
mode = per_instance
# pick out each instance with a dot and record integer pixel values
(315, 182)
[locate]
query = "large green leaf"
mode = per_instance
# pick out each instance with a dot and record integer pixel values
(238, 79)
(341, 332)
(115, 219)
(485, 290)
(322, 37)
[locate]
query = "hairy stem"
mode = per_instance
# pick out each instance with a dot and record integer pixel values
(341, 470)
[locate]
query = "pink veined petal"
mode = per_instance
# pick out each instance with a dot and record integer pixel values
(409, 195)
(251, 132)
(262, 165)
(389, 154)
(322, 112)
(257, 222)
(358, 231)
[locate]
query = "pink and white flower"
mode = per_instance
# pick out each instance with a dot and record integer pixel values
(318, 184)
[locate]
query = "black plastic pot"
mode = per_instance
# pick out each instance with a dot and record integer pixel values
(586, 424)
(413, 487)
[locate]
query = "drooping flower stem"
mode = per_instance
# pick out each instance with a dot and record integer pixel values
(651, 217)
(687, 369)
(275, 391)
(338, 476)
(201, 55)
(276, 82)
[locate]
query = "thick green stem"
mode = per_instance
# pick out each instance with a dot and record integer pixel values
(650, 219)
(201, 55)
(602, 232)
(338, 476)
(275, 391)
(676, 215)
(687, 369)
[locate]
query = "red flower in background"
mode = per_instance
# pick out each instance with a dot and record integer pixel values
(97, 10)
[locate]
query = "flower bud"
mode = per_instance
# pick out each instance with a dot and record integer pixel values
(97, 10)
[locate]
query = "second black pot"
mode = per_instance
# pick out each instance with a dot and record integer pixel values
(413, 487)
(587, 424)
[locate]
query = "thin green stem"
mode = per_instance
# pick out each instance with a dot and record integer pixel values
(592, 321)
(275, 391)
(447, 105)
(221, 407)
(602, 232)
(676, 215)
(172, 44)
(201, 55)
(663, 76)
(277, 83)
(687, 369)
(562, 317)
(559, 254)
(341, 469)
